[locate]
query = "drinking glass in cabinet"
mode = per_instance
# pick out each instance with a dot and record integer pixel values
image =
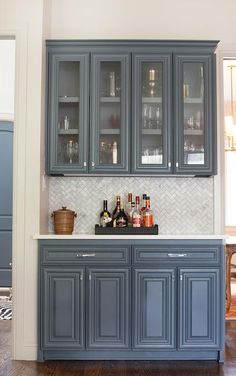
(71, 151)
(108, 152)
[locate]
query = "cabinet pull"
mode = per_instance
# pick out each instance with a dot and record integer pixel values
(177, 254)
(93, 164)
(85, 164)
(81, 277)
(181, 277)
(177, 164)
(10, 263)
(169, 164)
(86, 255)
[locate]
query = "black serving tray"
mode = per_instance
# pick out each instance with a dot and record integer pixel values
(126, 230)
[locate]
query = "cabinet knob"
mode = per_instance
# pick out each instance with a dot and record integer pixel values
(10, 263)
(169, 164)
(85, 164)
(93, 164)
(177, 164)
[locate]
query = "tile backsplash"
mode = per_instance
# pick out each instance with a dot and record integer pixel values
(180, 205)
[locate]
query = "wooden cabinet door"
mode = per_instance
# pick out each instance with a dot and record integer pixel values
(110, 113)
(108, 325)
(195, 114)
(199, 308)
(151, 95)
(62, 308)
(154, 309)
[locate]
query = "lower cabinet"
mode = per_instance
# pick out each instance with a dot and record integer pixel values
(108, 308)
(151, 303)
(154, 308)
(63, 308)
(199, 308)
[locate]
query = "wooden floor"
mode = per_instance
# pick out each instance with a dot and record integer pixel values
(116, 368)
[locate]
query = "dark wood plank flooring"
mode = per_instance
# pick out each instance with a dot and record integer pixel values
(116, 368)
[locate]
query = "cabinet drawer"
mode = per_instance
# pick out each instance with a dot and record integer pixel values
(183, 255)
(86, 255)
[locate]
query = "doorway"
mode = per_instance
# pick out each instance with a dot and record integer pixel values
(7, 90)
(229, 78)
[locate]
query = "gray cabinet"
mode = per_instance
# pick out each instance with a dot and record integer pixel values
(131, 107)
(154, 308)
(62, 308)
(195, 112)
(199, 308)
(131, 299)
(110, 113)
(108, 308)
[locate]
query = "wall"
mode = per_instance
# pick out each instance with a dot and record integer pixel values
(7, 78)
(186, 19)
(24, 21)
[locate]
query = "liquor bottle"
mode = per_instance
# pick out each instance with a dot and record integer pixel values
(117, 206)
(143, 207)
(105, 216)
(121, 219)
(130, 214)
(129, 209)
(148, 218)
(136, 219)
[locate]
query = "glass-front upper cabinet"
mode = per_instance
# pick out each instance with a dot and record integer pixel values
(110, 113)
(151, 113)
(194, 115)
(68, 114)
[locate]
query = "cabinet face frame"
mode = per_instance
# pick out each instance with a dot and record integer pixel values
(125, 62)
(54, 60)
(209, 109)
(167, 141)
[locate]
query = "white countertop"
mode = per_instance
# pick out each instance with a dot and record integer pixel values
(137, 237)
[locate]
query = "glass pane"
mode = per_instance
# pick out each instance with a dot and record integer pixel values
(152, 118)
(193, 105)
(68, 113)
(110, 113)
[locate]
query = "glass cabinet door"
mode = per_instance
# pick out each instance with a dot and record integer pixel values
(68, 122)
(194, 118)
(151, 123)
(110, 113)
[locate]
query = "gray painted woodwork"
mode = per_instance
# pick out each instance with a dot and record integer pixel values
(123, 166)
(52, 102)
(108, 323)
(199, 308)
(154, 308)
(209, 120)
(6, 186)
(172, 54)
(166, 62)
(63, 308)
(175, 309)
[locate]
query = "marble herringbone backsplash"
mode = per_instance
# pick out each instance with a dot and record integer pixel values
(180, 205)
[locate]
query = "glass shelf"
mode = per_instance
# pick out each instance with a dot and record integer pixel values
(110, 99)
(68, 99)
(109, 131)
(68, 131)
(150, 132)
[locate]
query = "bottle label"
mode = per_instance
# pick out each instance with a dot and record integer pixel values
(105, 220)
(136, 221)
(148, 221)
(121, 222)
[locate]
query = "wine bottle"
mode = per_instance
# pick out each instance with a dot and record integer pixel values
(148, 218)
(121, 220)
(105, 216)
(117, 206)
(136, 219)
(143, 207)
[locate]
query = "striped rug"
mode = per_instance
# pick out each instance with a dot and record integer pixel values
(5, 309)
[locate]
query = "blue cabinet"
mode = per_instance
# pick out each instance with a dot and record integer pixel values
(154, 308)
(108, 320)
(63, 309)
(166, 301)
(131, 107)
(199, 308)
